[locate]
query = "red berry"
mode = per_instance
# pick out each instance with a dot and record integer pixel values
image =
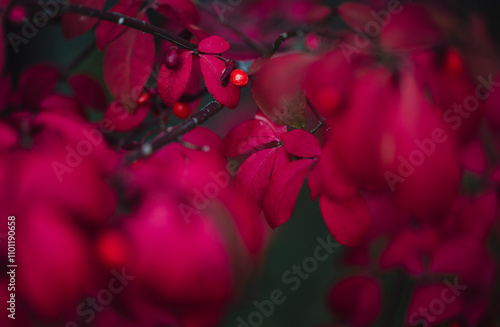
(172, 58)
(143, 98)
(182, 110)
(239, 77)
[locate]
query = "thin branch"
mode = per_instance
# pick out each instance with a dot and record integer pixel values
(129, 22)
(321, 120)
(285, 36)
(174, 133)
(318, 127)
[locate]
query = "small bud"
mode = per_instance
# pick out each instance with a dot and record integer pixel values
(226, 74)
(172, 58)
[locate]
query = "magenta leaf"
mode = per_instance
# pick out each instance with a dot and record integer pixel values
(213, 44)
(247, 137)
(254, 174)
(301, 144)
(172, 82)
(88, 91)
(276, 87)
(128, 61)
(413, 28)
(36, 82)
(315, 182)
(181, 11)
(63, 105)
(75, 25)
(121, 120)
(282, 192)
(212, 69)
(108, 31)
(355, 14)
(347, 220)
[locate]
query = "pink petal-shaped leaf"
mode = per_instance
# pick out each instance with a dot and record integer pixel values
(75, 25)
(254, 174)
(181, 11)
(212, 69)
(63, 105)
(473, 157)
(413, 28)
(108, 31)
(121, 119)
(356, 300)
(213, 44)
(355, 14)
(347, 220)
(8, 137)
(88, 91)
(128, 61)
(247, 136)
(36, 82)
(276, 87)
(172, 82)
(424, 294)
(301, 144)
(315, 182)
(282, 192)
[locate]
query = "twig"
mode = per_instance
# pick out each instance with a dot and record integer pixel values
(129, 22)
(321, 120)
(173, 133)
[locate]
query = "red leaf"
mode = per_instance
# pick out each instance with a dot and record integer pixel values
(182, 11)
(172, 82)
(281, 194)
(35, 83)
(212, 69)
(348, 220)
(301, 144)
(128, 61)
(213, 44)
(88, 91)
(63, 105)
(356, 300)
(108, 31)
(121, 119)
(355, 14)
(254, 174)
(315, 182)
(276, 88)
(413, 28)
(248, 136)
(75, 25)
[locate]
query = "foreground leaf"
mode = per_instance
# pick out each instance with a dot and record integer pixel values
(347, 220)
(281, 194)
